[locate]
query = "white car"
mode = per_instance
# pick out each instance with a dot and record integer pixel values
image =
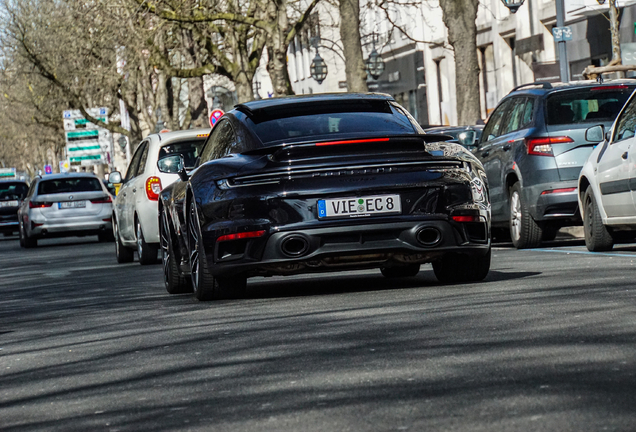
(63, 205)
(607, 183)
(135, 214)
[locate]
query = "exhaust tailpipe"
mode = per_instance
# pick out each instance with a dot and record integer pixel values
(429, 236)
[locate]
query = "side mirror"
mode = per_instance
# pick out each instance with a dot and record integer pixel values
(114, 177)
(595, 134)
(173, 164)
(467, 138)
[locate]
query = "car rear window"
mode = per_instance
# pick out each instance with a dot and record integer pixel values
(330, 120)
(13, 191)
(189, 149)
(77, 184)
(595, 104)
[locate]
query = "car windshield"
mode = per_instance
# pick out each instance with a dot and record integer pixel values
(189, 149)
(73, 184)
(331, 121)
(12, 191)
(598, 104)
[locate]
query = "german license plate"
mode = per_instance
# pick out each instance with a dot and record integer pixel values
(359, 207)
(9, 203)
(72, 204)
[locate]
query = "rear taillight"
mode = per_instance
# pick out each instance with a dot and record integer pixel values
(543, 146)
(359, 141)
(102, 200)
(39, 204)
(153, 188)
(466, 218)
(241, 236)
(558, 191)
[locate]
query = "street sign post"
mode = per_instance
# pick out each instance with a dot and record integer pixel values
(86, 143)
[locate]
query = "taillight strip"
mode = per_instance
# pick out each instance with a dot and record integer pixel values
(359, 141)
(240, 236)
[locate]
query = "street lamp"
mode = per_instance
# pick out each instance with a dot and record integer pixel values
(257, 87)
(601, 2)
(374, 64)
(318, 66)
(513, 5)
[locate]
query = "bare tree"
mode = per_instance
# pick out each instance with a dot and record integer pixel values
(352, 46)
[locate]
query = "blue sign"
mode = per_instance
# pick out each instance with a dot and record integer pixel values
(562, 34)
(48, 169)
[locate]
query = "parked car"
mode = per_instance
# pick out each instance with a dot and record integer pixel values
(322, 183)
(468, 136)
(65, 205)
(12, 192)
(135, 207)
(533, 148)
(607, 183)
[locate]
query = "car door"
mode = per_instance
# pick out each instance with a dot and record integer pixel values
(489, 153)
(126, 197)
(615, 166)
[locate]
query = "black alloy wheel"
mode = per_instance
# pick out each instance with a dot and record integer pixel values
(147, 252)
(460, 268)
(408, 270)
(124, 254)
(204, 284)
(175, 282)
(597, 236)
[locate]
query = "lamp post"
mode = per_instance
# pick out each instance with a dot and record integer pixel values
(318, 67)
(374, 64)
(257, 87)
(514, 5)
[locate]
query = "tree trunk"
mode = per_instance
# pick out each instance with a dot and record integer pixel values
(616, 41)
(459, 17)
(350, 36)
(196, 92)
(277, 49)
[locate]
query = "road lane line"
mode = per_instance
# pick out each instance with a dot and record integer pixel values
(582, 252)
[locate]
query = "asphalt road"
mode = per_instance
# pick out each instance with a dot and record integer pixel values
(546, 343)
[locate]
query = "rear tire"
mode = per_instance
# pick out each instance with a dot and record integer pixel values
(26, 241)
(147, 252)
(124, 254)
(175, 282)
(524, 231)
(459, 268)
(597, 237)
(409, 270)
(205, 285)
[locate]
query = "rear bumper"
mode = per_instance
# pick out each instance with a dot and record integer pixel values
(69, 227)
(9, 226)
(558, 206)
(348, 247)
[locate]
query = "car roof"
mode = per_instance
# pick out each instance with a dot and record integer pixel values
(545, 88)
(168, 137)
(67, 175)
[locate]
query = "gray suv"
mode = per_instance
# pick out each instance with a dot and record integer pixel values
(533, 148)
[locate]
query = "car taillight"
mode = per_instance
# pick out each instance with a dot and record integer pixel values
(102, 200)
(543, 146)
(557, 191)
(243, 235)
(39, 204)
(465, 218)
(153, 188)
(359, 141)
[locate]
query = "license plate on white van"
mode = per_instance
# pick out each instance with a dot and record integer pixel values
(359, 206)
(72, 204)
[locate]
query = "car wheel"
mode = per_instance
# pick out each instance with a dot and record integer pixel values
(147, 252)
(26, 241)
(124, 254)
(204, 284)
(458, 268)
(524, 231)
(409, 270)
(597, 237)
(175, 282)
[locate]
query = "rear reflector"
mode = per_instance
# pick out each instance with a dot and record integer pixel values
(543, 146)
(466, 218)
(351, 142)
(39, 204)
(153, 188)
(556, 191)
(102, 200)
(240, 236)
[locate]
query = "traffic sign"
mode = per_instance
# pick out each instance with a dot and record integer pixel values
(562, 34)
(215, 115)
(7, 173)
(48, 169)
(87, 143)
(65, 166)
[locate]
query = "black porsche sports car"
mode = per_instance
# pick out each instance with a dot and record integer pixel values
(322, 183)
